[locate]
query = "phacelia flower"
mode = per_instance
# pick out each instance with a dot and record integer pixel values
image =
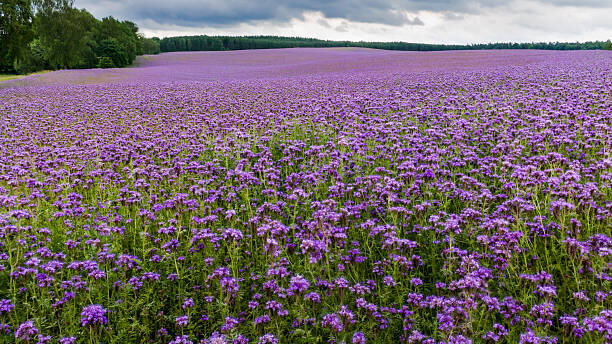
(93, 315)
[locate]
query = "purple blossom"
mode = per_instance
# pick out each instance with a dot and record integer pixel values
(389, 281)
(298, 284)
(43, 339)
(181, 340)
(93, 315)
(26, 331)
(216, 338)
(182, 320)
(333, 322)
(188, 303)
(6, 306)
(416, 282)
(67, 340)
(358, 338)
(267, 339)
(530, 337)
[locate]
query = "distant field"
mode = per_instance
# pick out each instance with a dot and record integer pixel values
(310, 196)
(292, 63)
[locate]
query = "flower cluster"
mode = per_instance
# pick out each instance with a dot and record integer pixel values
(93, 315)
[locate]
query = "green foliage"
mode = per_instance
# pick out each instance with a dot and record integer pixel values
(34, 60)
(150, 46)
(65, 37)
(111, 54)
(125, 36)
(193, 43)
(65, 33)
(106, 62)
(608, 45)
(15, 32)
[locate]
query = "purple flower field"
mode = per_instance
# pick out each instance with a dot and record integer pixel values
(310, 196)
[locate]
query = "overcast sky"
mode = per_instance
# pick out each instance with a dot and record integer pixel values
(428, 21)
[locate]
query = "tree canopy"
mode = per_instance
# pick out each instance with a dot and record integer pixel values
(198, 43)
(52, 34)
(15, 30)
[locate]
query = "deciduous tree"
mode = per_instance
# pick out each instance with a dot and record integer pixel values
(15, 31)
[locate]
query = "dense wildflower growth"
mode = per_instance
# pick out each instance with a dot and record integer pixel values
(310, 196)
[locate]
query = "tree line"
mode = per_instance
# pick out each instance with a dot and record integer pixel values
(200, 43)
(52, 34)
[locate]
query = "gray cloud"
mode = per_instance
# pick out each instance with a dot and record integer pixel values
(578, 3)
(323, 23)
(343, 27)
(230, 13)
(452, 16)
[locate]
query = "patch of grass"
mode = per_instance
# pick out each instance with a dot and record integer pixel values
(6, 77)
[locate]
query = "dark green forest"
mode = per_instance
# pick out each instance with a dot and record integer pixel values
(199, 43)
(52, 34)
